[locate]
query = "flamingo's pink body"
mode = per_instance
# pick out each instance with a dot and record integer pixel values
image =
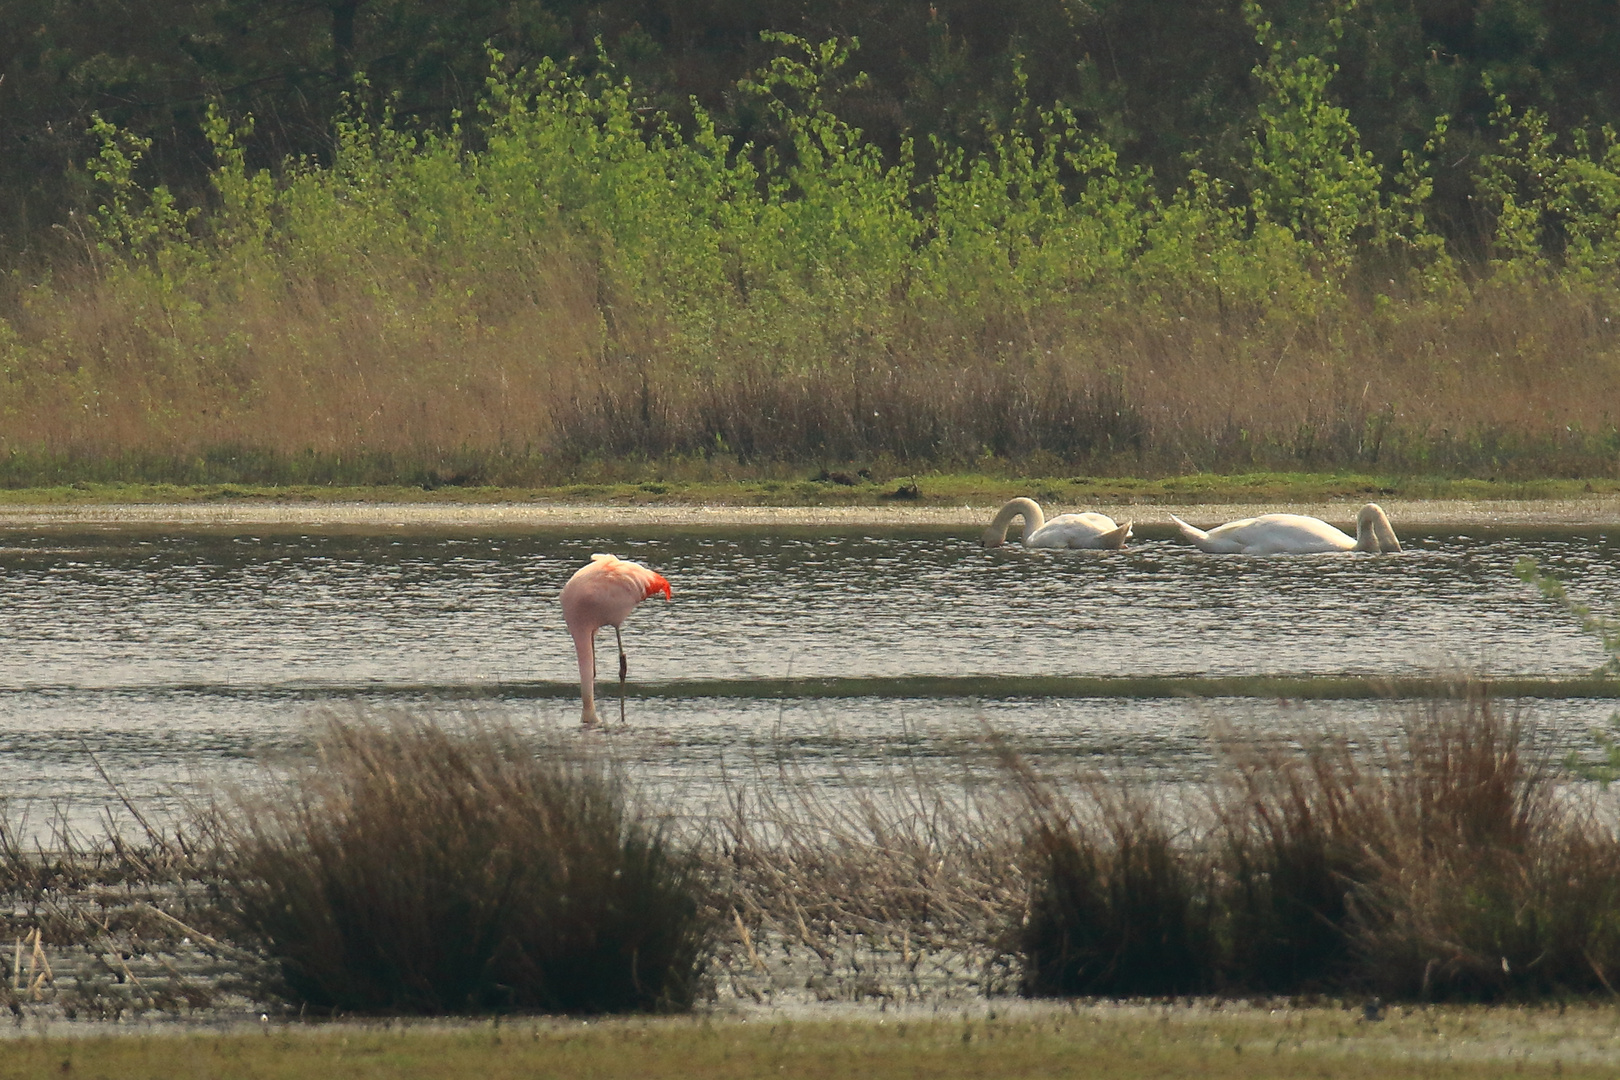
(603, 593)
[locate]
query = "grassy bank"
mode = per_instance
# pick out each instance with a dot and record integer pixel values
(575, 289)
(654, 486)
(1141, 1041)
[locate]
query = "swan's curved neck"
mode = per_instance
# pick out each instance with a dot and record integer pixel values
(1366, 533)
(1028, 509)
(1373, 531)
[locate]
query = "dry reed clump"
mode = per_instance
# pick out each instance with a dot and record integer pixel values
(1483, 881)
(413, 869)
(108, 926)
(1291, 852)
(891, 888)
(1445, 863)
(1118, 908)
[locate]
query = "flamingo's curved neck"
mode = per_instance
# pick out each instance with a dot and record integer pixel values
(1028, 509)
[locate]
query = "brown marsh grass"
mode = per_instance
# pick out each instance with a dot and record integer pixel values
(412, 868)
(110, 925)
(1444, 863)
(1120, 905)
(415, 869)
(542, 378)
(910, 875)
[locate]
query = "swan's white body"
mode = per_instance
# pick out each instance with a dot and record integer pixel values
(1294, 534)
(1088, 530)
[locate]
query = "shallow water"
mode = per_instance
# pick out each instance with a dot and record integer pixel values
(175, 657)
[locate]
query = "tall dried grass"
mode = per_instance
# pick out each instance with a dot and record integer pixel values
(415, 869)
(896, 885)
(1119, 908)
(109, 925)
(1445, 863)
(1482, 881)
(409, 868)
(329, 384)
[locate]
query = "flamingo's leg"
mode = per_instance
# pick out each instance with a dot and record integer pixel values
(624, 671)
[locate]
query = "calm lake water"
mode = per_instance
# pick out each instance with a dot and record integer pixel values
(174, 658)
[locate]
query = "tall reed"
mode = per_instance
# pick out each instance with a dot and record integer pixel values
(1443, 863)
(415, 869)
(1118, 908)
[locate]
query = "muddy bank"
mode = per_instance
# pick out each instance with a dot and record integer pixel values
(112, 958)
(1600, 510)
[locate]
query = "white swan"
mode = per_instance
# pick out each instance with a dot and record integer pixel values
(1065, 531)
(1293, 534)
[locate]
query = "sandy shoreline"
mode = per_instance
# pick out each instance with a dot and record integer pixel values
(1596, 511)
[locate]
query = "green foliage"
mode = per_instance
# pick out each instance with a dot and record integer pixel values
(1044, 213)
(787, 288)
(1310, 173)
(148, 226)
(1551, 208)
(1169, 85)
(1406, 228)
(805, 245)
(814, 232)
(242, 222)
(1606, 627)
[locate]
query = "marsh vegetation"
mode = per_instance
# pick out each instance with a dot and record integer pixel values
(409, 867)
(573, 283)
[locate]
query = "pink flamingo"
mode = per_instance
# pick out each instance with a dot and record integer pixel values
(603, 593)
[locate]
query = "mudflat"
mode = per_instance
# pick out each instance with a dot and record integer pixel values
(1596, 510)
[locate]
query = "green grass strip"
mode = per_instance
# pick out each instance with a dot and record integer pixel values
(1131, 1043)
(786, 487)
(1315, 687)
(945, 687)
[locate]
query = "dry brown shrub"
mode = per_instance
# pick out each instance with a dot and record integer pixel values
(1448, 861)
(532, 371)
(412, 868)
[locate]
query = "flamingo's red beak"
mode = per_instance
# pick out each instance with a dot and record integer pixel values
(658, 584)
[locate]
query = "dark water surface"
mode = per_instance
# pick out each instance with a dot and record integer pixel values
(175, 657)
